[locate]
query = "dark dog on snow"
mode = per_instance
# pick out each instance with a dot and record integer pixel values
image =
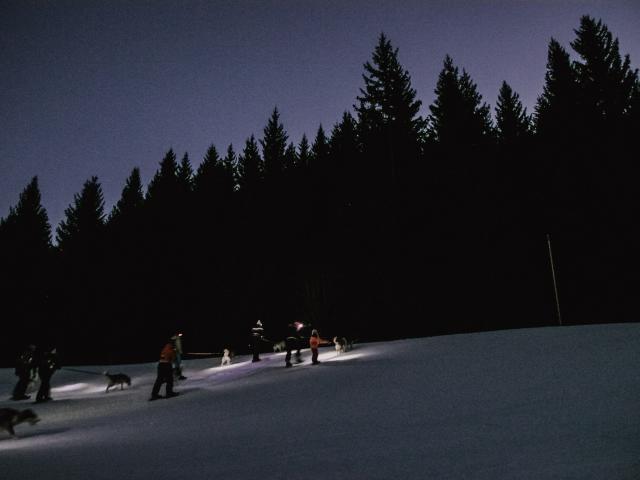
(117, 379)
(10, 417)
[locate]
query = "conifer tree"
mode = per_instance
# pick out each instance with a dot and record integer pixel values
(214, 182)
(319, 154)
(304, 153)
(458, 116)
(274, 144)
(205, 175)
(606, 86)
(557, 108)
(250, 171)
(605, 80)
(82, 229)
(513, 133)
(513, 125)
(290, 158)
(388, 99)
(164, 185)
(343, 149)
(165, 204)
(81, 287)
(229, 164)
(26, 229)
(129, 207)
(184, 175)
(26, 259)
(390, 129)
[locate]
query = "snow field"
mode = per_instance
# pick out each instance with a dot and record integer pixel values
(526, 404)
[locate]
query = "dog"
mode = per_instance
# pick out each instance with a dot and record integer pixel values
(117, 379)
(226, 357)
(279, 346)
(10, 417)
(341, 345)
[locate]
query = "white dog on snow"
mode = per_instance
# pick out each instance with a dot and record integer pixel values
(226, 358)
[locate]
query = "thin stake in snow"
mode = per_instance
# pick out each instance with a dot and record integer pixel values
(555, 284)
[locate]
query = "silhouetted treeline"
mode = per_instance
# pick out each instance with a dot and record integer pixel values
(387, 225)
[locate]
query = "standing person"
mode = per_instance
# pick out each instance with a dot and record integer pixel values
(25, 371)
(165, 373)
(177, 343)
(314, 342)
(293, 342)
(257, 333)
(47, 365)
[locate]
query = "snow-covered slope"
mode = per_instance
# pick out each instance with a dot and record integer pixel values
(523, 404)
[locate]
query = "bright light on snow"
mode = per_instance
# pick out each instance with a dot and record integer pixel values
(70, 388)
(345, 356)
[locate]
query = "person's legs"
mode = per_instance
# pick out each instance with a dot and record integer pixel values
(21, 387)
(256, 353)
(287, 358)
(43, 391)
(168, 378)
(158, 383)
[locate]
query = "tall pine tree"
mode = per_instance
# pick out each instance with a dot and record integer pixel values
(26, 258)
(390, 128)
(81, 232)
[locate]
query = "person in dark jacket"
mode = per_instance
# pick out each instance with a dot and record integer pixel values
(47, 365)
(165, 373)
(25, 371)
(257, 334)
(177, 344)
(293, 342)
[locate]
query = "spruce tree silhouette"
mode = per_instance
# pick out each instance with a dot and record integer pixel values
(81, 289)
(514, 138)
(165, 283)
(557, 125)
(124, 285)
(389, 132)
(274, 145)
(250, 173)
(461, 137)
(346, 165)
(513, 125)
(129, 206)
(458, 116)
(25, 283)
(605, 80)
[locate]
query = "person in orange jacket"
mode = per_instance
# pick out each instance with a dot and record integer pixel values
(314, 342)
(165, 372)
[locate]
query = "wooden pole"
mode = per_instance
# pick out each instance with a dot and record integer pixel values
(555, 283)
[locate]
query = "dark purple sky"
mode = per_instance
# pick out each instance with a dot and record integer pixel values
(97, 88)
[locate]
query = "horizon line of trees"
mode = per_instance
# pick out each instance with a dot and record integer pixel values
(389, 225)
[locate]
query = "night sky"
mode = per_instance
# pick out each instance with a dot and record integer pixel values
(97, 88)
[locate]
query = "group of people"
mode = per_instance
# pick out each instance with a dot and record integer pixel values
(170, 365)
(33, 364)
(293, 341)
(44, 363)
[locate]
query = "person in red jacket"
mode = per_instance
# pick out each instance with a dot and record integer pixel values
(314, 342)
(165, 372)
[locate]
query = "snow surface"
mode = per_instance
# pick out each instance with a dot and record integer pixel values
(545, 403)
